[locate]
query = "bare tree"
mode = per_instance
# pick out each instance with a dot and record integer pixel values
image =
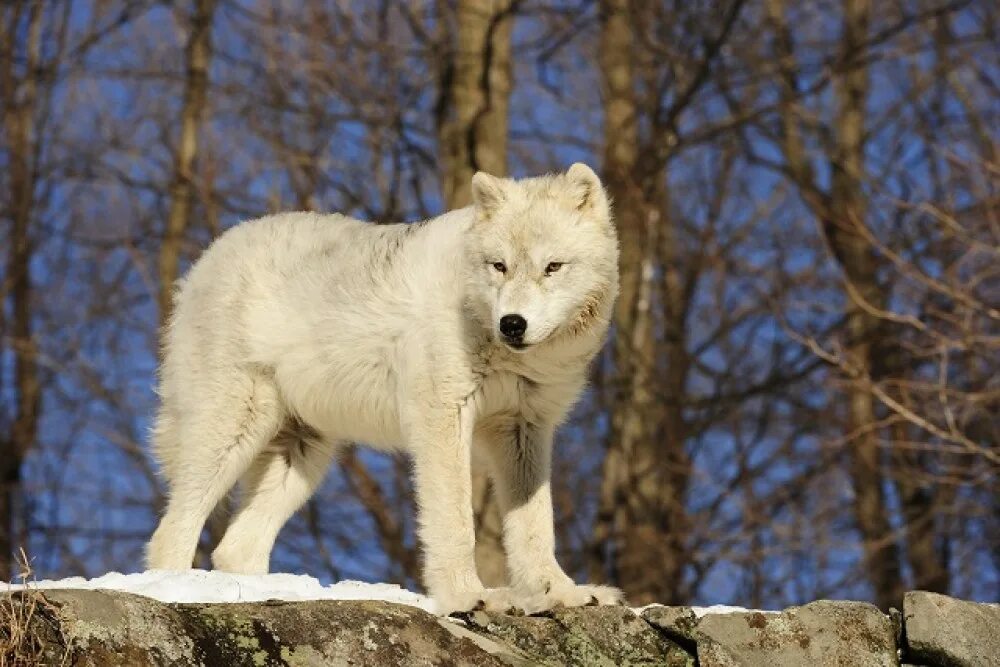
(22, 27)
(42, 45)
(643, 515)
(803, 363)
(842, 209)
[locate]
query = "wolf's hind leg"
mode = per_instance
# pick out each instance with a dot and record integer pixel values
(279, 481)
(217, 438)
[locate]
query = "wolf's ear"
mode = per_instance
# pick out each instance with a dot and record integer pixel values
(487, 192)
(585, 187)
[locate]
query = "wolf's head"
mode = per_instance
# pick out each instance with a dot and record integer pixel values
(544, 256)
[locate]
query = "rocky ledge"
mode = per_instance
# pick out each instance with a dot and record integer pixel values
(101, 628)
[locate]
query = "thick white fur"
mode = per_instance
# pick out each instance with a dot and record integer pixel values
(297, 333)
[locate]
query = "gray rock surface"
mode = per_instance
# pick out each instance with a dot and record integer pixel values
(941, 630)
(605, 636)
(819, 633)
(98, 628)
(101, 628)
(677, 623)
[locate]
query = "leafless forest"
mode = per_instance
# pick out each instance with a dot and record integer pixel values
(801, 394)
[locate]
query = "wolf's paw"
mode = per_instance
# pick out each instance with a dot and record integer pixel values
(228, 559)
(503, 600)
(574, 596)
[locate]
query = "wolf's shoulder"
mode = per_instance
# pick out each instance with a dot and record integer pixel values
(313, 224)
(302, 239)
(296, 223)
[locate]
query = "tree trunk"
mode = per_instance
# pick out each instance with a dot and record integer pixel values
(620, 152)
(477, 80)
(667, 451)
(19, 94)
(855, 255)
(198, 55)
(644, 477)
(919, 504)
(472, 135)
(841, 211)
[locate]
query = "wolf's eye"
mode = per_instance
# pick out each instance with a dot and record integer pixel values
(500, 267)
(552, 267)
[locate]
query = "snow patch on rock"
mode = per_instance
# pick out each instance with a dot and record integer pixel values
(214, 586)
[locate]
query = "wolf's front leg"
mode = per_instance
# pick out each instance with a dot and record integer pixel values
(440, 440)
(521, 464)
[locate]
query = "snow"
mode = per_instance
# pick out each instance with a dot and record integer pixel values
(705, 611)
(725, 609)
(215, 586)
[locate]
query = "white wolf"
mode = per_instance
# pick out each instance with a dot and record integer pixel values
(298, 333)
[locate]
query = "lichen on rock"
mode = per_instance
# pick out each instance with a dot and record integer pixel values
(99, 627)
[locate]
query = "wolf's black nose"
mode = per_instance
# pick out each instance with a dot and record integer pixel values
(513, 326)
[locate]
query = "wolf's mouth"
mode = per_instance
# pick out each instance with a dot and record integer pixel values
(517, 347)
